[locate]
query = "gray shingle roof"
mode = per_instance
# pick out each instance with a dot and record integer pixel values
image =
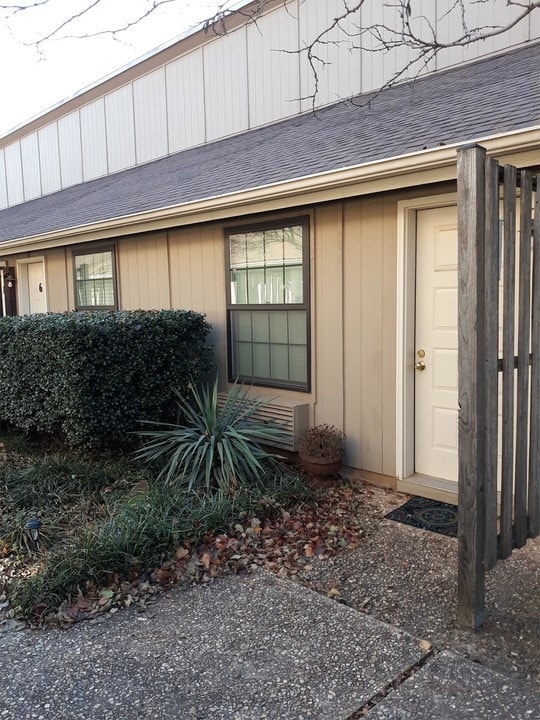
(491, 96)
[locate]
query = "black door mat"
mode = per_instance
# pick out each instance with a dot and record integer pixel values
(427, 514)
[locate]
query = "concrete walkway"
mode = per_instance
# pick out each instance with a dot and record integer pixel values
(246, 648)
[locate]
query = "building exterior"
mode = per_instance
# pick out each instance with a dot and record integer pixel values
(321, 246)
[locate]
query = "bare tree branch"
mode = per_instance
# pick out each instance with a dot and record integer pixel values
(415, 33)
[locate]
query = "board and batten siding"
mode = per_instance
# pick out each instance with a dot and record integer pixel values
(142, 272)
(57, 267)
(14, 176)
(185, 101)
(70, 148)
(197, 280)
(229, 84)
(120, 129)
(369, 309)
(93, 140)
(353, 256)
(49, 159)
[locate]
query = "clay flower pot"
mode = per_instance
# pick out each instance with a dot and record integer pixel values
(322, 467)
(321, 450)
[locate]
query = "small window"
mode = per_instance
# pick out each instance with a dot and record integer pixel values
(95, 281)
(268, 304)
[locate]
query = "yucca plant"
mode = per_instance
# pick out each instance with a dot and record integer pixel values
(214, 449)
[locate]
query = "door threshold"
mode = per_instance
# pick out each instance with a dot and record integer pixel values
(429, 487)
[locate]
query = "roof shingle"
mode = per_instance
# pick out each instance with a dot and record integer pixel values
(491, 96)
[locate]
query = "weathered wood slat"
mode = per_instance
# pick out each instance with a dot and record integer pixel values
(524, 334)
(471, 385)
(509, 280)
(491, 354)
(534, 451)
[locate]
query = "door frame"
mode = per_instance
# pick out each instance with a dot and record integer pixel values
(23, 290)
(407, 479)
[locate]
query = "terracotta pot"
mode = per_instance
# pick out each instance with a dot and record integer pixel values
(321, 467)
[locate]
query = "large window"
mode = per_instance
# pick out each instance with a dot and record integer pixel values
(95, 283)
(268, 304)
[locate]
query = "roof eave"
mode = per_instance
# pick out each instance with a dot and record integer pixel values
(418, 168)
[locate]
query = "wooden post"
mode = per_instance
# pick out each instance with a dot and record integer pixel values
(491, 354)
(524, 335)
(471, 384)
(508, 402)
(534, 451)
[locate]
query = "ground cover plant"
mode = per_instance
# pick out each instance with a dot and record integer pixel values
(107, 519)
(116, 530)
(138, 538)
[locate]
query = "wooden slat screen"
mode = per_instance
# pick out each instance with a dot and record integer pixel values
(485, 535)
(509, 276)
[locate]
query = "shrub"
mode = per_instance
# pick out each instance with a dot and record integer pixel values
(215, 449)
(92, 376)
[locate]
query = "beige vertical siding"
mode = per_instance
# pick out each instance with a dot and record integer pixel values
(56, 268)
(370, 332)
(327, 320)
(389, 336)
(352, 341)
(197, 280)
(143, 278)
(367, 319)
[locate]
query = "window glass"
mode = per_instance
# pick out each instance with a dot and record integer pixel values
(266, 267)
(267, 275)
(94, 280)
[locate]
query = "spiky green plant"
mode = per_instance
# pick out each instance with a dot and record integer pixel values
(214, 449)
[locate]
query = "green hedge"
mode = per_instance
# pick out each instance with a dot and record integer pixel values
(91, 376)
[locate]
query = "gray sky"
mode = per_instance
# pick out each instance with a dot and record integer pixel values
(31, 82)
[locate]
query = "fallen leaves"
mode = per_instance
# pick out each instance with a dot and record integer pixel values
(289, 544)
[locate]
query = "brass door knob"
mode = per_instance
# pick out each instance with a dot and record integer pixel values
(420, 365)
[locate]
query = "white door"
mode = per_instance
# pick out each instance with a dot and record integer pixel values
(436, 374)
(36, 288)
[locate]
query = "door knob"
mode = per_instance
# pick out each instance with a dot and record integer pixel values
(420, 365)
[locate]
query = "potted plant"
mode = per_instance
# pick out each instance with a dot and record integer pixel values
(321, 450)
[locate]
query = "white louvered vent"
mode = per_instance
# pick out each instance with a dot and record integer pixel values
(289, 414)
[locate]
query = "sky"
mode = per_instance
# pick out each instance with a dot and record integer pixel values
(33, 81)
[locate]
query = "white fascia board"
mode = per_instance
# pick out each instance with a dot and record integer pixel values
(411, 170)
